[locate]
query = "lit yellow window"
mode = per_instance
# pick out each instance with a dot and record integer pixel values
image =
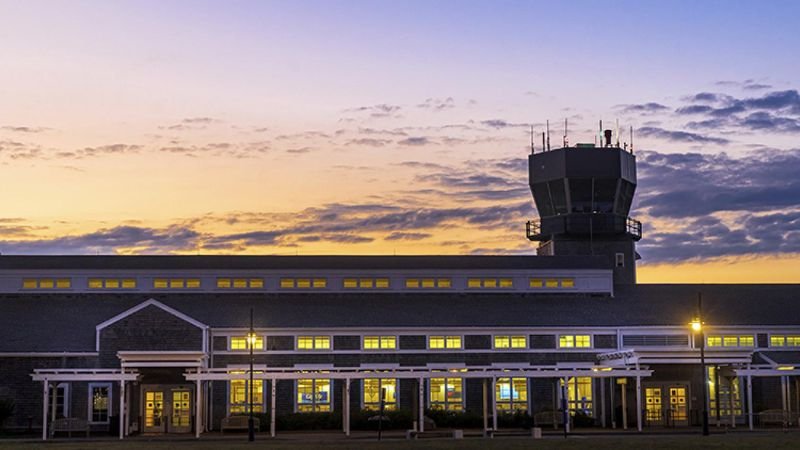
(193, 283)
(551, 283)
(372, 342)
(287, 283)
(382, 283)
(304, 283)
(793, 341)
(63, 283)
(583, 341)
(535, 282)
(777, 341)
(224, 283)
(746, 341)
(95, 283)
(238, 343)
(428, 283)
(258, 343)
(506, 283)
(322, 342)
(566, 341)
(29, 283)
(474, 283)
(239, 283)
(489, 283)
(46, 283)
(519, 342)
(129, 283)
(388, 342)
(350, 283)
(502, 342)
(436, 342)
(320, 283)
(730, 341)
(714, 341)
(444, 283)
(176, 283)
(365, 283)
(160, 283)
(568, 283)
(453, 342)
(305, 342)
(256, 283)
(412, 283)
(112, 284)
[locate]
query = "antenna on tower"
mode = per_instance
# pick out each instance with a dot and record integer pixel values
(547, 125)
(532, 140)
(631, 140)
(617, 133)
(565, 133)
(600, 134)
(543, 144)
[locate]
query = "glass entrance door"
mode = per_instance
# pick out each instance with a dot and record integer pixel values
(677, 406)
(653, 407)
(181, 412)
(154, 412)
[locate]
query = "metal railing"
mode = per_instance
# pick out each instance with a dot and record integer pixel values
(598, 224)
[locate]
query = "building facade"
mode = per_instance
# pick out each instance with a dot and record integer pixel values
(162, 344)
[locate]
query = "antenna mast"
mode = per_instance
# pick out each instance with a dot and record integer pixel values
(532, 140)
(548, 135)
(617, 133)
(565, 133)
(631, 140)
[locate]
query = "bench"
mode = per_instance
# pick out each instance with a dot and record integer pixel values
(554, 418)
(238, 423)
(777, 417)
(455, 434)
(535, 432)
(68, 425)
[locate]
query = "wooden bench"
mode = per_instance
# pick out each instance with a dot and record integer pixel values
(68, 425)
(455, 434)
(535, 433)
(554, 418)
(238, 423)
(777, 417)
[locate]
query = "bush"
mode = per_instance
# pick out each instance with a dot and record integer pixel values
(455, 419)
(6, 410)
(516, 419)
(581, 419)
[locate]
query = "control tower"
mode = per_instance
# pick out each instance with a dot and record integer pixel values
(583, 195)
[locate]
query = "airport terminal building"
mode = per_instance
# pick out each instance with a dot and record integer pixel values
(162, 344)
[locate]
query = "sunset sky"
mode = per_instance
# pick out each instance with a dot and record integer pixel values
(377, 127)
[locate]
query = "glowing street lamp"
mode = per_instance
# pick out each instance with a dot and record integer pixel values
(697, 327)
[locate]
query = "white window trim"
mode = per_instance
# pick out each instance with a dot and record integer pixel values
(380, 349)
(590, 347)
(314, 336)
(527, 400)
(396, 394)
(463, 392)
(445, 349)
(90, 404)
(67, 392)
(246, 350)
(228, 383)
(509, 348)
(331, 400)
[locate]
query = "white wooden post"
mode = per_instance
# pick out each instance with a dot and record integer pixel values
(485, 407)
(347, 407)
(46, 392)
(272, 408)
(624, 387)
(421, 405)
(197, 397)
(750, 401)
(611, 382)
(121, 408)
(638, 400)
(494, 403)
(602, 402)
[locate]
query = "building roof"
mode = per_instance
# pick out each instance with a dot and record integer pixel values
(66, 322)
(227, 262)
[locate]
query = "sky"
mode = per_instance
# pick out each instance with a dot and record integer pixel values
(377, 127)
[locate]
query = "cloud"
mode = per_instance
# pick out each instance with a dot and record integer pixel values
(401, 236)
(438, 104)
(777, 111)
(379, 111)
(680, 136)
(107, 241)
(643, 108)
(500, 123)
(21, 129)
(367, 142)
(416, 141)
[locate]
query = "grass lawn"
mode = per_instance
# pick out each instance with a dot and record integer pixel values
(771, 441)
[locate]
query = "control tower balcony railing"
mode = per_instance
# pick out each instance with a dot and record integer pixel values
(583, 224)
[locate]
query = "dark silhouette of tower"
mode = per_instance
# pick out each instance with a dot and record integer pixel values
(583, 195)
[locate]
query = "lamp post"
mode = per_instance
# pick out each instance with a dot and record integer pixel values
(251, 341)
(697, 327)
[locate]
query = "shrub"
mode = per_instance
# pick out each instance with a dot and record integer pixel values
(6, 410)
(581, 419)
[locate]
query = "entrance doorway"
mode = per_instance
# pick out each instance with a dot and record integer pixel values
(666, 405)
(166, 409)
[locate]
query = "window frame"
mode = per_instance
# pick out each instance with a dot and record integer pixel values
(446, 403)
(247, 344)
(574, 345)
(513, 406)
(510, 338)
(262, 404)
(393, 406)
(331, 402)
(381, 338)
(314, 339)
(90, 401)
(445, 338)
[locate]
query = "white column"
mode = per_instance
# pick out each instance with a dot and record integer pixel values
(565, 403)
(121, 408)
(485, 407)
(783, 393)
(731, 402)
(624, 388)
(126, 429)
(638, 402)
(613, 413)
(602, 402)
(494, 403)
(197, 396)
(45, 401)
(346, 411)
(750, 400)
(421, 405)
(272, 407)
